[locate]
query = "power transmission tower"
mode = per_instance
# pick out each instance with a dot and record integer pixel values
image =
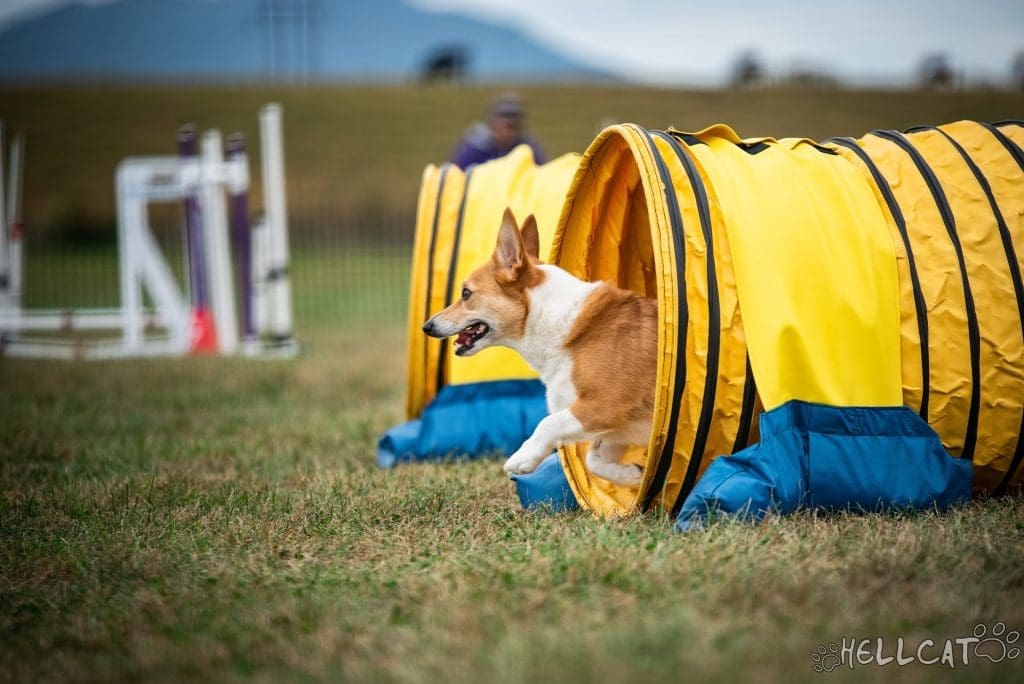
(291, 38)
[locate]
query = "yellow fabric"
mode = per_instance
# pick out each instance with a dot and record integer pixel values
(910, 340)
(1004, 393)
(512, 181)
(445, 198)
(938, 271)
(1015, 132)
(1001, 359)
(811, 272)
(615, 226)
(815, 271)
(416, 349)
(990, 279)
(450, 198)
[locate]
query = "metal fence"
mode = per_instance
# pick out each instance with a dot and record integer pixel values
(342, 270)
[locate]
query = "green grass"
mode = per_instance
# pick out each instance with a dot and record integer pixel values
(212, 519)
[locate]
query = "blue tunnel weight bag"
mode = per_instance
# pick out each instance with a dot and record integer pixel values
(831, 458)
(466, 421)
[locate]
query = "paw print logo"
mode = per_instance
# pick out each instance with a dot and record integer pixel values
(997, 645)
(826, 659)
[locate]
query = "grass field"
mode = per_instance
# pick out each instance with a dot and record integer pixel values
(221, 519)
(212, 519)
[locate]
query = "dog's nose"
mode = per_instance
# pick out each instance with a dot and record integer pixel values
(428, 327)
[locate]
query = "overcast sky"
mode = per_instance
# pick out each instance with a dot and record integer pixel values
(673, 41)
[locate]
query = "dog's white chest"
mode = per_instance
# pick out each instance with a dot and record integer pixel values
(560, 391)
(555, 305)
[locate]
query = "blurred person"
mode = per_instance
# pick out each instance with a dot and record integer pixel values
(505, 129)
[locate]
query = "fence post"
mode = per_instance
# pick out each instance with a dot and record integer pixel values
(5, 282)
(14, 233)
(131, 214)
(277, 222)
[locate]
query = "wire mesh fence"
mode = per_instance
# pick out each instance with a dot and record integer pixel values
(343, 271)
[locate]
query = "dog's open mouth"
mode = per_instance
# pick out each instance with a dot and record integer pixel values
(469, 336)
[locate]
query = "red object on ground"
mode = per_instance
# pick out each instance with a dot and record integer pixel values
(203, 338)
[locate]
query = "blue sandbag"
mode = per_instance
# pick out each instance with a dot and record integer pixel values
(467, 421)
(546, 486)
(831, 458)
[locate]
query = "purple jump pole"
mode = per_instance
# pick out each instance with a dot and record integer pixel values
(243, 237)
(188, 150)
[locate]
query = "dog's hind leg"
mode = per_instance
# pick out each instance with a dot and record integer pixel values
(605, 460)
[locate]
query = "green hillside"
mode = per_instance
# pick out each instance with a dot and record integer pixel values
(356, 152)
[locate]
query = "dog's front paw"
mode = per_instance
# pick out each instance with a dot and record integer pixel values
(522, 462)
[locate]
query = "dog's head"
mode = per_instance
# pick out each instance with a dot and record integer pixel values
(493, 301)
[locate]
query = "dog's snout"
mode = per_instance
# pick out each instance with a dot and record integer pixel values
(439, 327)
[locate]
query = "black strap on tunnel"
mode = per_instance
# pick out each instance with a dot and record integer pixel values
(688, 138)
(1013, 148)
(752, 147)
(749, 385)
(973, 335)
(707, 408)
(915, 282)
(683, 318)
(1018, 155)
(430, 255)
(747, 410)
(442, 362)
(1008, 122)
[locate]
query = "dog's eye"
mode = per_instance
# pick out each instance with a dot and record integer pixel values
(465, 293)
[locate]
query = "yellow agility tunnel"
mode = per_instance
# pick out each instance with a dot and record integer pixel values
(458, 215)
(492, 401)
(882, 271)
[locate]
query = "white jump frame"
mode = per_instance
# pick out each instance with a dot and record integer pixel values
(208, 179)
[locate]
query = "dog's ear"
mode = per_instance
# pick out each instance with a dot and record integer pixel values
(531, 238)
(509, 253)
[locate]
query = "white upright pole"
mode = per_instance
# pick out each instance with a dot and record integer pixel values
(277, 221)
(131, 215)
(14, 231)
(5, 282)
(218, 246)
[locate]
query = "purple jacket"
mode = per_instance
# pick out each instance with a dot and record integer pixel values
(477, 146)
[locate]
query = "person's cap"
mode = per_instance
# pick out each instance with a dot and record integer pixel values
(507, 105)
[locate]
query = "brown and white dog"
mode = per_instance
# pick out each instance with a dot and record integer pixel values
(593, 345)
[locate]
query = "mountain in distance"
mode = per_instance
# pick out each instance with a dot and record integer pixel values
(276, 40)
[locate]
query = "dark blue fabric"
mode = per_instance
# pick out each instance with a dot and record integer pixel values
(467, 421)
(546, 486)
(831, 458)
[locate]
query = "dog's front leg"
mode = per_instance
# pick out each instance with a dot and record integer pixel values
(558, 428)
